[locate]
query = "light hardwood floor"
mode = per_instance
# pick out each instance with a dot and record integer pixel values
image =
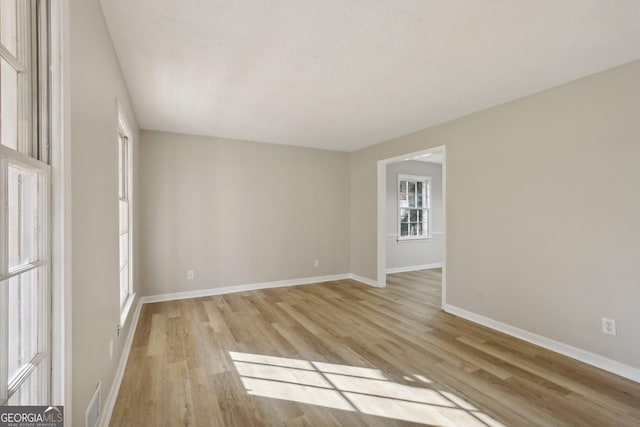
(344, 354)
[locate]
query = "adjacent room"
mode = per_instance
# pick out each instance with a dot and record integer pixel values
(321, 213)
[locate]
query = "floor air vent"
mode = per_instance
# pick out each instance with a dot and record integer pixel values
(93, 411)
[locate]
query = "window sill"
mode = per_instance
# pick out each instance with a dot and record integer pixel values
(126, 309)
(416, 239)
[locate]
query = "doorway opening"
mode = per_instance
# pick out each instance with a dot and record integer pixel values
(411, 215)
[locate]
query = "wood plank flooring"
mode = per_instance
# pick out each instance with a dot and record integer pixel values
(344, 354)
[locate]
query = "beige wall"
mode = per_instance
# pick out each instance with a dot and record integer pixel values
(409, 253)
(239, 212)
(542, 211)
(96, 83)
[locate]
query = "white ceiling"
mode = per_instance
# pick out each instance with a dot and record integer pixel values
(343, 75)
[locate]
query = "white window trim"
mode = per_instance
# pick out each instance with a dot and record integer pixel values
(124, 128)
(427, 183)
(62, 349)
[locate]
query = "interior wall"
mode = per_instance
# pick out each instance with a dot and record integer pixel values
(238, 212)
(542, 211)
(95, 84)
(413, 253)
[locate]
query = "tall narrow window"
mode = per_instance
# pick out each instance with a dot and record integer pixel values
(414, 207)
(124, 192)
(25, 261)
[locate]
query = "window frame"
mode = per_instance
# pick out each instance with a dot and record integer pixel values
(125, 187)
(426, 207)
(42, 358)
(31, 63)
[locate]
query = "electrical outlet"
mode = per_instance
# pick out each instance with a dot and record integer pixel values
(316, 263)
(190, 275)
(608, 326)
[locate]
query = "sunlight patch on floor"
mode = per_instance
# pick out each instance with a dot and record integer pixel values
(354, 371)
(278, 373)
(330, 398)
(353, 388)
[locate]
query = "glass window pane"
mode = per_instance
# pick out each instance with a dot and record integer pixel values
(414, 215)
(412, 194)
(22, 217)
(8, 25)
(404, 215)
(404, 229)
(420, 230)
(404, 203)
(413, 229)
(24, 309)
(124, 284)
(124, 249)
(120, 177)
(124, 216)
(125, 168)
(121, 167)
(8, 105)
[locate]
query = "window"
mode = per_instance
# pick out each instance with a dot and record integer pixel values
(414, 207)
(124, 202)
(25, 263)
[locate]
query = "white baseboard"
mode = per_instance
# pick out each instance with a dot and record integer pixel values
(241, 288)
(364, 280)
(575, 353)
(122, 365)
(413, 268)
